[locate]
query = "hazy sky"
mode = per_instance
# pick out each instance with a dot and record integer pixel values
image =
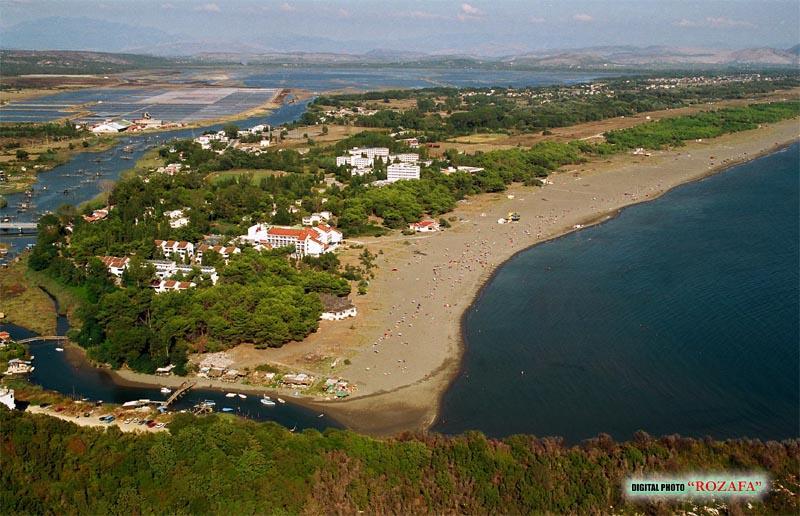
(495, 26)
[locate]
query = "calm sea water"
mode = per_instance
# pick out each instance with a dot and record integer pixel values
(679, 316)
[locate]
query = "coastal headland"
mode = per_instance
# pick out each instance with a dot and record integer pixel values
(404, 347)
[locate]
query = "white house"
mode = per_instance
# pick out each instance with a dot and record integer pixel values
(177, 218)
(335, 308)
(398, 171)
(224, 251)
(356, 161)
(116, 266)
(317, 218)
(173, 248)
(424, 226)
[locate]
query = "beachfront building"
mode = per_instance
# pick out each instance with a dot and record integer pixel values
(402, 171)
(335, 308)
(224, 251)
(328, 235)
(18, 366)
(115, 265)
(176, 249)
(424, 226)
(312, 241)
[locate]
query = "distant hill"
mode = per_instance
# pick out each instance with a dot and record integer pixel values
(21, 62)
(656, 56)
(79, 34)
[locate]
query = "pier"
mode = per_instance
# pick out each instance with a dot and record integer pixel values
(37, 339)
(180, 391)
(18, 227)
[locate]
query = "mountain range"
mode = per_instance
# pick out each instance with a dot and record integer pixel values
(85, 34)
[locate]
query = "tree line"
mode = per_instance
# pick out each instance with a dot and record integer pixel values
(218, 464)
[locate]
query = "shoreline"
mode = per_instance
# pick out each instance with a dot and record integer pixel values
(601, 218)
(385, 406)
(352, 410)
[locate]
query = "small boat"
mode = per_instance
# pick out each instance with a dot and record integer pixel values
(321, 415)
(166, 390)
(230, 395)
(59, 349)
(227, 409)
(266, 401)
(243, 396)
(281, 401)
(209, 403)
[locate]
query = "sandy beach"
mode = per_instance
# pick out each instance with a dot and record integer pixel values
(406, 338)
(404, 347)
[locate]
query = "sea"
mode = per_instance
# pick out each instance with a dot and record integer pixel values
(679, 316)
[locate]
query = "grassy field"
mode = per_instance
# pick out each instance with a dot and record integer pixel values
(19, 180)
(69, 298)
(23, 303)
(257, 174)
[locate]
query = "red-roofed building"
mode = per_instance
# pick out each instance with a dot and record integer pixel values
(180, 249)
(306, 241)
(96, 215)
(161, 286)
(424, 226)
(115, 265)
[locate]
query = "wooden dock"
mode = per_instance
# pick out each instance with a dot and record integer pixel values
(180, 391)
(37, 339)
(18, 227)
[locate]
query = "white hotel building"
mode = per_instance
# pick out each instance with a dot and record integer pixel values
(312, 241)
(370, 152)
(398, 171)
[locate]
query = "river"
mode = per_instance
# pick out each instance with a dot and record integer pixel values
(87, 173)
(678, 316)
